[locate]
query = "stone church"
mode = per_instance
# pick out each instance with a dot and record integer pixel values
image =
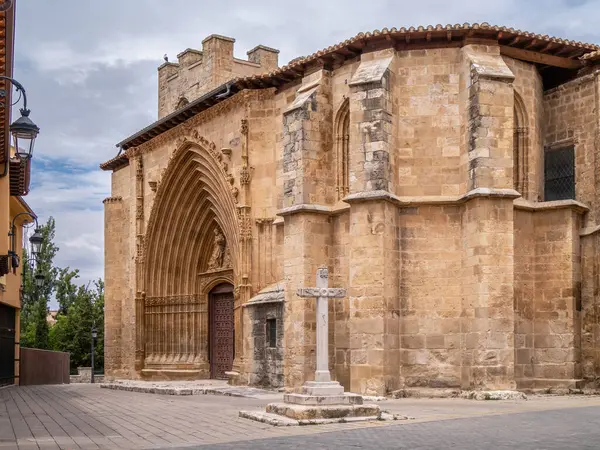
(447, 176)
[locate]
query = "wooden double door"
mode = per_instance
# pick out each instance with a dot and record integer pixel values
(221, 331)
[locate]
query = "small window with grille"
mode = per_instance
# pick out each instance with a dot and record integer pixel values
(272, 333)
(559, 173)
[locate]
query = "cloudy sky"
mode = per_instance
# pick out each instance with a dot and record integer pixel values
(89, 68)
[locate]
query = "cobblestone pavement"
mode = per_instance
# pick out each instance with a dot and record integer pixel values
(549, 430)
(85, 416)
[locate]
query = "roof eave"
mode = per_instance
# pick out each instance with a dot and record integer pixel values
(508, 37)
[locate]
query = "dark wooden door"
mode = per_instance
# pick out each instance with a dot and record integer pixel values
(221, 331)
(7, 345)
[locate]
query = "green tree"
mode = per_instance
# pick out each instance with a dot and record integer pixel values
(66, 290)
(35, 299)
(73, 331)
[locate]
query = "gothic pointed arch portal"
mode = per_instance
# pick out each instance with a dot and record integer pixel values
(192, 245)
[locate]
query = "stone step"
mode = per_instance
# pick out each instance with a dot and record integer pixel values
(282, 421)
(303, 399)
(309, 412)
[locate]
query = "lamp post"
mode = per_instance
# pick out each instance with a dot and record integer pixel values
(35, 240)
(23, 130)
(94, 336)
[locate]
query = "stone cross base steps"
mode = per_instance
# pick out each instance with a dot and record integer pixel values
(318, 403)
(322, 400)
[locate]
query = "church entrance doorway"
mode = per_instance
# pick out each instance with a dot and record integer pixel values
(221, 330)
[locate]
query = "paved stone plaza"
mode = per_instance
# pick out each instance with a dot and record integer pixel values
(85, 416)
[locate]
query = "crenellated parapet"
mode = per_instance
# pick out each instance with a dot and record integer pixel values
(199, 71)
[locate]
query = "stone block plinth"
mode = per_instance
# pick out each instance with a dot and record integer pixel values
(322, 388)
(307, 412)
(318, 403)
(303, 399)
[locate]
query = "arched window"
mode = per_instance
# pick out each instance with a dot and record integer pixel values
(520, 147)
(342, 141)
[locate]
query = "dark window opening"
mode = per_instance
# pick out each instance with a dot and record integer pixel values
(272, 333)
(559, 174)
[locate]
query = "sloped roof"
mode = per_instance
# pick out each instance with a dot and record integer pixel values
(402, 38)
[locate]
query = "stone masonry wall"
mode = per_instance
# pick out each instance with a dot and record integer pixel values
(528, 87)
(372, 136)
(557, 326)
(117, 229)
(524, 278)
(487, 81)
(430, 296)
(488, 310)
(572, 117)
(340, 315)
(443, 290)
(267, 362)
(198, 72)
(374, 310)
(428, 149)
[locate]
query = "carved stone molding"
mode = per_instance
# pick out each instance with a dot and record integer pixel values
(321, 292)
(172, 300)
(181, 145)
(112, 200)
(192, 136)
(210, 277)
(205, 116)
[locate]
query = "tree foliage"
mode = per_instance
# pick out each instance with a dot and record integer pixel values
(72, 330)
(80, 307)
(34, 309)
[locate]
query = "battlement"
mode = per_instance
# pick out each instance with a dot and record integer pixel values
(199, 71)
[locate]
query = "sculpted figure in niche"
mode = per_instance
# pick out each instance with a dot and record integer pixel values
(216, 258)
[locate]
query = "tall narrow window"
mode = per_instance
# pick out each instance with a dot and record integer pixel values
(520, 147)
(559, 173)
(271, 333)
(342, 142)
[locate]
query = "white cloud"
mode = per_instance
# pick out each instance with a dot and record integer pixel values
(90, 73)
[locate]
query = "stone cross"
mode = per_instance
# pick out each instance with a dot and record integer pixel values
(321, 293)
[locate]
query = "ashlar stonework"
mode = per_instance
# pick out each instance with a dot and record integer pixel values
(447, 177)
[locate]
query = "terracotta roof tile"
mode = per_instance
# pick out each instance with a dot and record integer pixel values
(592, 56)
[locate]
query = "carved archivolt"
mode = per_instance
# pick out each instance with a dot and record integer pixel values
(194, 201)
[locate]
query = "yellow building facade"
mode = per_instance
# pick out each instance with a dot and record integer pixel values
(14, 185)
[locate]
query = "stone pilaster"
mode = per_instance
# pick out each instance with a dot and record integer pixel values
(309, 185)
(488, 312)
(373, 292)
(488, 322)
(115, 260)
(139, 266)
(371, 125)
(373, 323)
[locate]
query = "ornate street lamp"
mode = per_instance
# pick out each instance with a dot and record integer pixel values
(35, 240)
(23, 130)
(40, 279)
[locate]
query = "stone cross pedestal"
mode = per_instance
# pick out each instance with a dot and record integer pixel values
(322, 400)
(322, 384)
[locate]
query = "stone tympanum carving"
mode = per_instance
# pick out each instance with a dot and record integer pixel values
(218, 252)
